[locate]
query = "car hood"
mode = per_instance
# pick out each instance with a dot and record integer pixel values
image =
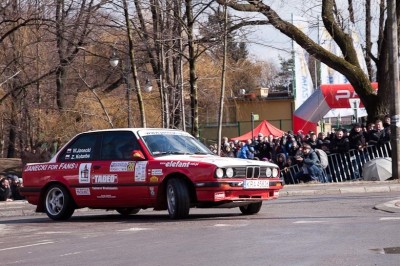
(213, 159)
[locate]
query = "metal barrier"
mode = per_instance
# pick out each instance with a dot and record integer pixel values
(343, 166)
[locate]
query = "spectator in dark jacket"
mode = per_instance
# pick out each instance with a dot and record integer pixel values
(379, 135)
(5, 190)
(339, 144)
(356, 138)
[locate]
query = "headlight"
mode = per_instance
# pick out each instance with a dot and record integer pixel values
(275, 172)
(219, 173)
(229, 172)
(268, 172)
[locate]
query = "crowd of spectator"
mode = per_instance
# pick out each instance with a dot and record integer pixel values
(284, 150)
(10, 188)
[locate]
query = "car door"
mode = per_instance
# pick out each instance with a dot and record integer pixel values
(117, 180)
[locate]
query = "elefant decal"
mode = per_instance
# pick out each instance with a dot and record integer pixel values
(104, 179)
(179, 164)
(140, 171)
(153, 179)
(82, 191)
(44, 167)
(84, 172)
(122, 166)
(156, 172)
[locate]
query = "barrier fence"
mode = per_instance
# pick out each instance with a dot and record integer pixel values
(343, 166)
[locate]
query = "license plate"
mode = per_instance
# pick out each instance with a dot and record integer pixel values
(256, 184)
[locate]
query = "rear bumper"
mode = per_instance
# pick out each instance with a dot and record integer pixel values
(32, 195)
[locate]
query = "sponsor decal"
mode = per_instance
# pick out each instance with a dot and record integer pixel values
(104, 179)
(67, 166)
(83, 191)
(180, 164)
(106, 197)
(140, 171)
(122, 166)
(152, 191)
(167, 132)
(156, 172)
(44, 167)
(84, 173)
(154, 179)
(131, 166)
(79, 150)
(81, 156)
(219, 195)
(105, 188)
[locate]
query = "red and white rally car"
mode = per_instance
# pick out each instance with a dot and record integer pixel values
(132, 169)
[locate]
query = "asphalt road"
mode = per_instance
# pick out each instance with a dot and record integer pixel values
(301, 230)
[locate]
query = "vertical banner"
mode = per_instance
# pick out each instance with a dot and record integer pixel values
(303, 81)
(329, 75)
(358, 47)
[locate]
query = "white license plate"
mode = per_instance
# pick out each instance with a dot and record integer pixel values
(256, 184)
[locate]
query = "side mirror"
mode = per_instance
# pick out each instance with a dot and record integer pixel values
(137, 155)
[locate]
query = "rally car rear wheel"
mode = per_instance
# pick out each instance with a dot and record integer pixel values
(58, 203)
(252, 208)
(127, 211)
(178, 199)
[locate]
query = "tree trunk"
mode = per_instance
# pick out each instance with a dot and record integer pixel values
(194, 106)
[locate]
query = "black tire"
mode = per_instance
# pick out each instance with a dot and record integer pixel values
(178, 199)
(252, 208)
(127, 211)
(58, 203)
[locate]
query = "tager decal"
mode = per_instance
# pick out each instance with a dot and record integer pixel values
(84, 172)
(104, 179)
(83, 191)
(140, 171)
(122, 166)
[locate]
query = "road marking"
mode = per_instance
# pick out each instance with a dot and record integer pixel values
(227, 225)
(26, 246)
(69, 254)
(308, 222)
(389, 218)
(50, 233)
(134, 229)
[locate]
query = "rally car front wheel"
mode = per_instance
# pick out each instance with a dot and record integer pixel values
(252, 208)
(178, 199)
(58, 203)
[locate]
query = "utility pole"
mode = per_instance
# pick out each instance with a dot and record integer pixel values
(394, 86)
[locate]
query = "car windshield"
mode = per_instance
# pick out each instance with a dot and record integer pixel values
(171, 142)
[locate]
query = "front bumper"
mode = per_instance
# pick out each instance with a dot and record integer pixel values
(234, 191)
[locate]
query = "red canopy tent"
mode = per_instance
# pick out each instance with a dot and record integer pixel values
(265, 128)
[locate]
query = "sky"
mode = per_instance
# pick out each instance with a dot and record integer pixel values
(267, 43)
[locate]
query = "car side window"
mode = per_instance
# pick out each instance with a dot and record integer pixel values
(82, 149)
(118, 145)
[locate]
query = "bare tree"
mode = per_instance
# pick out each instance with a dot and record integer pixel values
(376, 105)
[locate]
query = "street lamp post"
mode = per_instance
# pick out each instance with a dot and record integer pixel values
(114, 61)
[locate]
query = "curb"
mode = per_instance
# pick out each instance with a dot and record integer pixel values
(390, 206)
(339, 188)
